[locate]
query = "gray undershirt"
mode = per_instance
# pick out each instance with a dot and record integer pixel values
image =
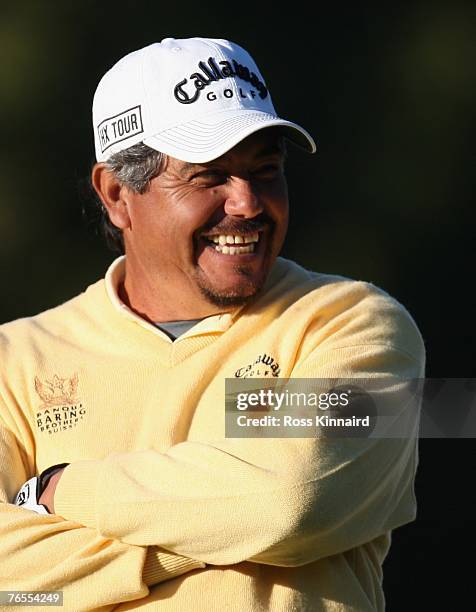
(174, 329)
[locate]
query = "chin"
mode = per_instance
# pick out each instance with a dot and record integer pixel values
(227, 301)
(232, 296)
(237, 287)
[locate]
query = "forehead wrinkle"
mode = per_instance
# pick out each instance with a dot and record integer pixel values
(271, 149)
(266, 150)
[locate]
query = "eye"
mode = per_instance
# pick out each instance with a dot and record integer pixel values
(209, 177)
(268, 172)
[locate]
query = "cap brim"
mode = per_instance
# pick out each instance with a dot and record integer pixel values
(212, 136)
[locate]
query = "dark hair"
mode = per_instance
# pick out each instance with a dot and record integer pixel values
(134, 168)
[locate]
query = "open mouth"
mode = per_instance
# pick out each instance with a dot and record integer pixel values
(233, 244)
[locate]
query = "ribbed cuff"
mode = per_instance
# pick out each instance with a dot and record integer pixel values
(75, 494)
(161, 565)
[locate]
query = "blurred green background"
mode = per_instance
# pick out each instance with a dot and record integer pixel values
(389, 94)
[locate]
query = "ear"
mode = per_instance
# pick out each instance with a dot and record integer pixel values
(111, 193)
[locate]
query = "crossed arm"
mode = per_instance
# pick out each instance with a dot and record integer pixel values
(280, 502)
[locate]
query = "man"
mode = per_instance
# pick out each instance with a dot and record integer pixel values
(116, 398)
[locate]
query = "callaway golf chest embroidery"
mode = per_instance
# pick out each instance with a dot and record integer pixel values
(264, 365)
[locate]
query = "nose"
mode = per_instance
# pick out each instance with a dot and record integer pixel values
(241, 199)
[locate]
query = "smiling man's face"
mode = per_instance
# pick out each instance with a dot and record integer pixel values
(209, 233)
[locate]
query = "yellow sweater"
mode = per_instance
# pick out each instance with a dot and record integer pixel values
(157, 509)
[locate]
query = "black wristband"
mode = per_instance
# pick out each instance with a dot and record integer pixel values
(45, 476)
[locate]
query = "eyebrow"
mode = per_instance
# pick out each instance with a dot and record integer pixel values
(266, 151)
(188, 166)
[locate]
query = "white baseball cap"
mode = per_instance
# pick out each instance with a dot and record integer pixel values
(193, 99)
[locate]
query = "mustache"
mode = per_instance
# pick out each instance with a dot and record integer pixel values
(238, 226)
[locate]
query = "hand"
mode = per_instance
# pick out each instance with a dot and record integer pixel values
(47, 498)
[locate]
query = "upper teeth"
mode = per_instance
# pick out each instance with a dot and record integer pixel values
(235, 239)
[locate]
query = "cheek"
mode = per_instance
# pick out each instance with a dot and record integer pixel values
(278, 204)
(201, 211)
(278, 210)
